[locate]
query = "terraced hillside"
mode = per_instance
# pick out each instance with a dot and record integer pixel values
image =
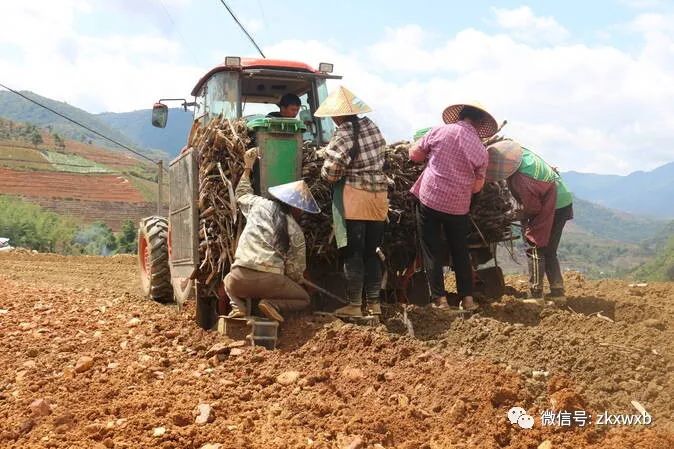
(78, 179)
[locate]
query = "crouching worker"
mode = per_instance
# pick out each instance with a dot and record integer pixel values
(270, 257)
(547, 206)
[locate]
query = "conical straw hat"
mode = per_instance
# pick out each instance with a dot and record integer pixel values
(296, 194)
(505, 158)
(341, 102)
(486, 128)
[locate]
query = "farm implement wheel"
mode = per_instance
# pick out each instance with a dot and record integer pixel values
(155, 276)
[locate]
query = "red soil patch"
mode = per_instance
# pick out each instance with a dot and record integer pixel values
(68, 185)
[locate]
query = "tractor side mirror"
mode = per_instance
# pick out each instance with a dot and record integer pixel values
(159, 115)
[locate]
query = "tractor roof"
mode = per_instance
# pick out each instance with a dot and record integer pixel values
(259, 63)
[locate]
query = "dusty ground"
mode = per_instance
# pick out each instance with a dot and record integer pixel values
(329, 385)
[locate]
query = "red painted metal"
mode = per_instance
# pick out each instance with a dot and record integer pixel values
(256, 63)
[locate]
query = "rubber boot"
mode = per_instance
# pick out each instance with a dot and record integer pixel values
(557, 296)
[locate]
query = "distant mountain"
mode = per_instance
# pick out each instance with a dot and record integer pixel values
(611, 224)
(604, 242)
(18, 109)
(644, 193)
(137, 125)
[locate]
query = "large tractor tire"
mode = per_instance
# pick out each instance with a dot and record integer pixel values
(155, 275)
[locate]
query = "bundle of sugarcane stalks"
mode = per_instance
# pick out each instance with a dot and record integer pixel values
(220, 147)
(491, 211)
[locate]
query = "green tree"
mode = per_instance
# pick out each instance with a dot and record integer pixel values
(127, 238)
(36, 138)
(28, 225)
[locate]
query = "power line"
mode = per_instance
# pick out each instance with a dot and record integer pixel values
(242, 27)
(78, 123)
(168, 14)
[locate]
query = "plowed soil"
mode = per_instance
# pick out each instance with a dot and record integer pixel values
(86, 362)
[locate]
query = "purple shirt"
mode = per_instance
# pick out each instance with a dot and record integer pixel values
(455, 159)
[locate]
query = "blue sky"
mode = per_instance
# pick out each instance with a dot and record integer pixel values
(587, 84)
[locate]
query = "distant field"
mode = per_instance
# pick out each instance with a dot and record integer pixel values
(22, 158)
(68, 186)
(74, 163)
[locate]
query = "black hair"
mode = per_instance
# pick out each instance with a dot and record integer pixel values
(279, 220)
(289, 99)
(471, 113)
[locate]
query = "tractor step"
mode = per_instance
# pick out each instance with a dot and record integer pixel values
(255, 330)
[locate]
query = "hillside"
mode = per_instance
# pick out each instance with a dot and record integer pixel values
(136, 125)
(644, 193)
(78, 180)
(601, 242)
(17, 109)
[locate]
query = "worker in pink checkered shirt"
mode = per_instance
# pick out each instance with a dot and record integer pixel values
(456, 162)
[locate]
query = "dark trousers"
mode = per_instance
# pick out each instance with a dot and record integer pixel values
(544, 262)
(362, 267)
(430, 224)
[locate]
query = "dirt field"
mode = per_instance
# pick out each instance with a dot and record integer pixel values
(87, 363)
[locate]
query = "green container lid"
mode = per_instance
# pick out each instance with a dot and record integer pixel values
(276, 125)
(421, 133)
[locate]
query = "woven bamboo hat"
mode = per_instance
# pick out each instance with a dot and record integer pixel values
(296, 194)
(505, 158)
(487, 126)
(341, 102)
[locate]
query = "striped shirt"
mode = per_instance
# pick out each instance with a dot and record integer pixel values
(365, 171)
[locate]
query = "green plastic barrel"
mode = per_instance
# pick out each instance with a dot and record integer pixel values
(279, 141)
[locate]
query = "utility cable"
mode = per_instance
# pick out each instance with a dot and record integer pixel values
(242, 27)
(79, 124)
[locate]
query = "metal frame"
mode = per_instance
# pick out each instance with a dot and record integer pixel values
(185, 266)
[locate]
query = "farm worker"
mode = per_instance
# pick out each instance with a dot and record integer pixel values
(270, 258)
(354, 161)
(456, 161)
(547, 206)
(289, 107)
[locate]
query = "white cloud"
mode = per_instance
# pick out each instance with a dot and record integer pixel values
(524, 25)
(587, 108)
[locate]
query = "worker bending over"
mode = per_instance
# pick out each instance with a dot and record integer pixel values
(547, 206)
(354, 161)
(270, 257)
(456, 161)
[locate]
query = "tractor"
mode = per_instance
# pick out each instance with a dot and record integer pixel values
(251, 88)
(240, 87)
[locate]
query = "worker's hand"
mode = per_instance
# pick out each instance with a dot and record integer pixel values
(249, 158)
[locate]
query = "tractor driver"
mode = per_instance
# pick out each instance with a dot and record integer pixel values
(270, 258)
(289, 107)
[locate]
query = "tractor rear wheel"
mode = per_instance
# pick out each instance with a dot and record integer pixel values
(155, 275)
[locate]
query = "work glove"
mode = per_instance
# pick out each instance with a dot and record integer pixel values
(249, 158)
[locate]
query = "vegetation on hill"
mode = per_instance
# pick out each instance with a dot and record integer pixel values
(29, 226)
(661, 266)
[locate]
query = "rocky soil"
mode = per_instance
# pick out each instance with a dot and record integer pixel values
(87, 362)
